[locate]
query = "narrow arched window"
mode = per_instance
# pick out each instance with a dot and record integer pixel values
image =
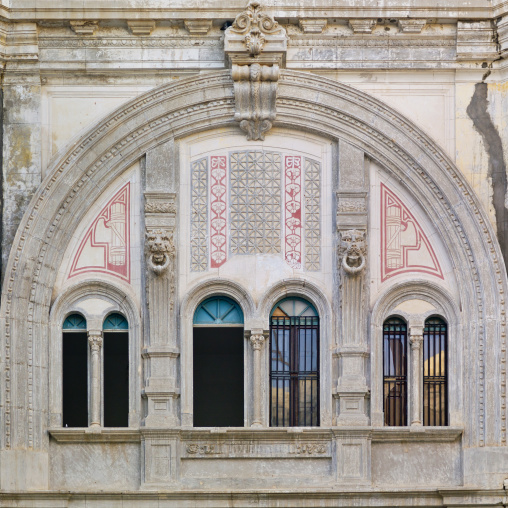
(116, 371)
(435, 379)
(74, 372)
(395, 372)
(294, 364)
(218, 363)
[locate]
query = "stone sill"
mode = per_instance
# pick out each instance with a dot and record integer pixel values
(378, 435)
(416, 434)
(101, 435)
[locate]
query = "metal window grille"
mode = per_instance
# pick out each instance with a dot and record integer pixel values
(395, 372)
(435, 379)
(294, 371)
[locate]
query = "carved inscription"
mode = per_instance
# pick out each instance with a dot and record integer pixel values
(203, 449)
(309, 449)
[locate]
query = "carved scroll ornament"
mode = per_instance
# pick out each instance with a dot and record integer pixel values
(255, 94)
(256, 45)
(161, 250)
(254, 24)
(352, 249)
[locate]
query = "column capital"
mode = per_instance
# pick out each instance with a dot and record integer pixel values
(257, 341)
(415, 336)
(95, 339)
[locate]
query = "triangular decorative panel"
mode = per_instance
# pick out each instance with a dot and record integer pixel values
(106, 245)
(404, 245)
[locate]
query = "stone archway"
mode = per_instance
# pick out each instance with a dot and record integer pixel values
(173, 111)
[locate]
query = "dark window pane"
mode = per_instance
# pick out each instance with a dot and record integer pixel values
(294, 386)
(395, 372)
(435, 382)
(75, 379)
(116, 379)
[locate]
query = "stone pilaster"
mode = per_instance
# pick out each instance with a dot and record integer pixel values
(161, 353)
(416, 341)
(352, 390)
(95, 342)
(257, 341)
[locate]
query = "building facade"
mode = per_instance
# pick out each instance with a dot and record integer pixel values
(254, 255)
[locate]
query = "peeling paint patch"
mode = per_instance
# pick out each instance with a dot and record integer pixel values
(482, 121)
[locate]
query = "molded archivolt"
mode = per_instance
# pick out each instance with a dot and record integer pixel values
(305, 102)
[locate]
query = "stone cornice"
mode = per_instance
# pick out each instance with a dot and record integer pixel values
(179, 9)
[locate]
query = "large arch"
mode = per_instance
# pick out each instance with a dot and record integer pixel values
(305, 102)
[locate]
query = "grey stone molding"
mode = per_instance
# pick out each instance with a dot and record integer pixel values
(92, 162)
(104, 435)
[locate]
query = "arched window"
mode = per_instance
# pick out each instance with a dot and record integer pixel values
(116, 371)
(395, 372)
(435, 382)
(218, 361)
(294, 364)
(74, 372)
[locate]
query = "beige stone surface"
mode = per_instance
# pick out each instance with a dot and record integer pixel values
(351, 154)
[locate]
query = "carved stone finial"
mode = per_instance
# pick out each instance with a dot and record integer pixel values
(352, 249)
(161, 250)
(256, 46)
(254, 25)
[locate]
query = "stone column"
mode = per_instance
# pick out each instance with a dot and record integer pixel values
(95, 341)
(257, 341)
(416, 341)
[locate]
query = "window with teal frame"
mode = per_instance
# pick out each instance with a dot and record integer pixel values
(115, 322)
(75, 322)
(218, 310)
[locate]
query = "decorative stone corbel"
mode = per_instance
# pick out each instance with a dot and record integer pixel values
(312, 26)
(141, 27)
(352, 251)
(84, 27)
(256, 46)
(411, 26)
(362, 26)
(198, 26)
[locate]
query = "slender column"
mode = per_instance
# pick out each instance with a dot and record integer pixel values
(95, 341)
(257, 342)
(416, 340)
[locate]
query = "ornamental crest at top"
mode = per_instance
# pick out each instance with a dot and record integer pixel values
(255, 37)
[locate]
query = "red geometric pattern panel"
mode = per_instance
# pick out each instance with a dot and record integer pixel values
(218, 211)
(105, 247)
(293, 211)
(404, 245)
